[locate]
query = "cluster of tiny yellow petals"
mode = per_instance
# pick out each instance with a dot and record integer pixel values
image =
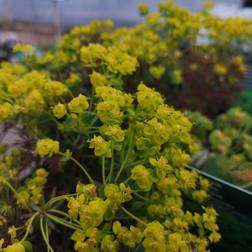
(142, 177)
(47, 147)
(59, 110)
(98, 79)
(32, 192)
(133, 148)
(16, 247)
(78, 104)
(100, 146)
(23, 48)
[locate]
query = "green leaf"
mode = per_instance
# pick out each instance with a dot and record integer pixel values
(245, 166)
(67, 156)
(108, 216)
(27, 245)
(107, 228)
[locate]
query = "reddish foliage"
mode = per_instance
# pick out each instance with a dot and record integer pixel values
(205, 91)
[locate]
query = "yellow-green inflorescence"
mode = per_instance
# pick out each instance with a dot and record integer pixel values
(134, 197)
(126, 151)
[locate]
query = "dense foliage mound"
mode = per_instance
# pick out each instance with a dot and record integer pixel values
(184, 55)
(99, 159)
(104, 172)
(229, 141)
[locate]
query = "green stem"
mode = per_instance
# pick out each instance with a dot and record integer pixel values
(92, 99)
(4, 181)
(46, 240)
(127, 180)
(109, 177)
(132, 216)
(81, 167)
(47, 235)
(30, 221)
(132, 135)
(103, 171)
(141, 161)
(70, 92)
(59, 198)
(63, 214)
(63, 222)
(140, 196)
(246, 185)
(6, 99)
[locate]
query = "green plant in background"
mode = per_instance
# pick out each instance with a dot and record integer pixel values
(245, 100)
(119, 161)
(202, 125)
(229, 143)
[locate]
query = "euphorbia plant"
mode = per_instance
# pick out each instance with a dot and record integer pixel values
(181, 54)
(229, 142)
(125, 155)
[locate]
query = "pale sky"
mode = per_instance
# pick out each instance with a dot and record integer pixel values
(81, 11)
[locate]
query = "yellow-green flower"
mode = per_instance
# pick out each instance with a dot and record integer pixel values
(78, 104)
(16, 247)
(109, 244)
(157, 71)
(6, 111)
(113, 132)
(220, 69)
(154, 238)
(59, 110)
(143, 9)
(47, 147)
(91, 54)
(98, 79)
(23, 48)
(55, 88)
(100, 146)
(142, 177)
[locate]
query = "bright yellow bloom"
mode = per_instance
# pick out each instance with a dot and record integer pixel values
(16, 247)
(23, 48)
(34, 102)
(100, 146)
(55, 88)
(59, 110)
(47, 147)
(143, 9)
(157, 71)
(6, 111)
(154, 238)
(98, 79)
(142, 177)
(91, 54)
(219, 69)
(113, 132)
(109, 244)
(78, 104)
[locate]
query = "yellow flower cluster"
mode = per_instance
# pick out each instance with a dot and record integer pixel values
(142, 177)
(139, 145)
(100, 146)
(16, 247)
(78, 104)
(32, 192)
(8, 165)
(27, 93)
(23, 48)
(114, 59)
(59, 110)
(158, 182)
(47, 147)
